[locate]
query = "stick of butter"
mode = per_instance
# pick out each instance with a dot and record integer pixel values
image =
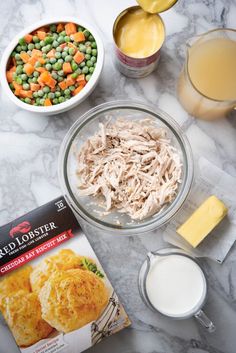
(203, 221)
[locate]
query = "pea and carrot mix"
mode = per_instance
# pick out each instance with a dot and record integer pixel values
(52, 64)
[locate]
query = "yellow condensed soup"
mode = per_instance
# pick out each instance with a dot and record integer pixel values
(139, 34)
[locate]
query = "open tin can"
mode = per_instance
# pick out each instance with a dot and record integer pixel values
(139, 66)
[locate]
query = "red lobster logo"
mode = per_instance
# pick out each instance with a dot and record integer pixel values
(22, 228)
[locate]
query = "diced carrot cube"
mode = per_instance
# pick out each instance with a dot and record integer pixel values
(70, 81)
(40, 69)
(66, 67)
(70, 28)
(17, 87)
(24, 56)
(41, 60)
(78, 57)
(40, 81)
(77, 90)
(33, 60)
(63, 45)
(62, 85)
(60, 27)
(47, 102)
(51, 53)
(41, 35)
(81, 79)
(28, 38)
(26, 94)
(34, 87)
(79, 37)
(36, 52)
(29, 69)
(9, 75)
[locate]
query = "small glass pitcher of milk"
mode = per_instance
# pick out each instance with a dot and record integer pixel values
(172, 283)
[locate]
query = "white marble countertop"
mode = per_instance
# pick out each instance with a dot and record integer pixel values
(29, 146)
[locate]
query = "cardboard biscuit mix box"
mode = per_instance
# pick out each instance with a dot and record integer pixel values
(54, 294)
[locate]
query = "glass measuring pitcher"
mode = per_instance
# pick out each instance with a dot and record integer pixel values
(172, 283)
(207, 84)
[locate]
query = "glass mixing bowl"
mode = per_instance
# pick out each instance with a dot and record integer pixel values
(86, 207)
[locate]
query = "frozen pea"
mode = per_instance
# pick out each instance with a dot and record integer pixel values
(67, 92)
(35, 94)
(27, 100)
(55, 44)
(57, 94)
(44, 55)
(94, 52)
(61, 99)
(57, 55)
(93, 59)
(82, 48)
(51, 95)
(30, 46)
(42, 100)
(74, 66)
(36, 74)
(46, 89)
(44, 49)
(68, 58)
(19, 81)
(57, 66)
(29, 52)
(52, 60)
(65, 49)
(94, 45)
(78, 71)
(87, 56)
(61, 73)
(48, 67)
(40, 93)
(59, 79)
(71, 51)
(35, 39)
(17, 56)
(23, 77)
(55, 35)
(67, 39)
(61, 40)
(37, 64)
(53, 28)
(34, 79)
(63, 33)
(19, 69)
(48, 40)
(42, 43)
(72, 88)
(64, 54)
(37, 46)
(74, 75)
(18, 48)
(54, 75)
(89, 50)
(82, 64)
(86, 33)
(87, 77)
(91, 38)
(89, 63)
(22, 41)
(85, 70)
(59, 49)
(91, 70)
(55, 101)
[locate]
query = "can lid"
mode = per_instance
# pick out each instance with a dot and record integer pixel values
(156, 6)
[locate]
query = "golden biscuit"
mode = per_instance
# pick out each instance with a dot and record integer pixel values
(12, 283)
(65, 259)
(22, 312)
(71, 299)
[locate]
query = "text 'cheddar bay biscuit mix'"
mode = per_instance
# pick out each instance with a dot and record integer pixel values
(54, 294)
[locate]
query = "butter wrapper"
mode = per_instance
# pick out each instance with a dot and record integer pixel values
(209, 180)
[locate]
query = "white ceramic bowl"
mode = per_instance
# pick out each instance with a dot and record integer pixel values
(72, 102)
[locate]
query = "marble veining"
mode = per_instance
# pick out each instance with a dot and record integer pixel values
(29, 146)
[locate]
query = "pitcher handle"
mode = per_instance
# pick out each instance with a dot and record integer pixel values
(205, 321)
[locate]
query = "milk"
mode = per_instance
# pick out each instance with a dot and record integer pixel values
(175, 285)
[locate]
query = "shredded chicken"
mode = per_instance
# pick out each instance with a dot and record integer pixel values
(132, 165)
